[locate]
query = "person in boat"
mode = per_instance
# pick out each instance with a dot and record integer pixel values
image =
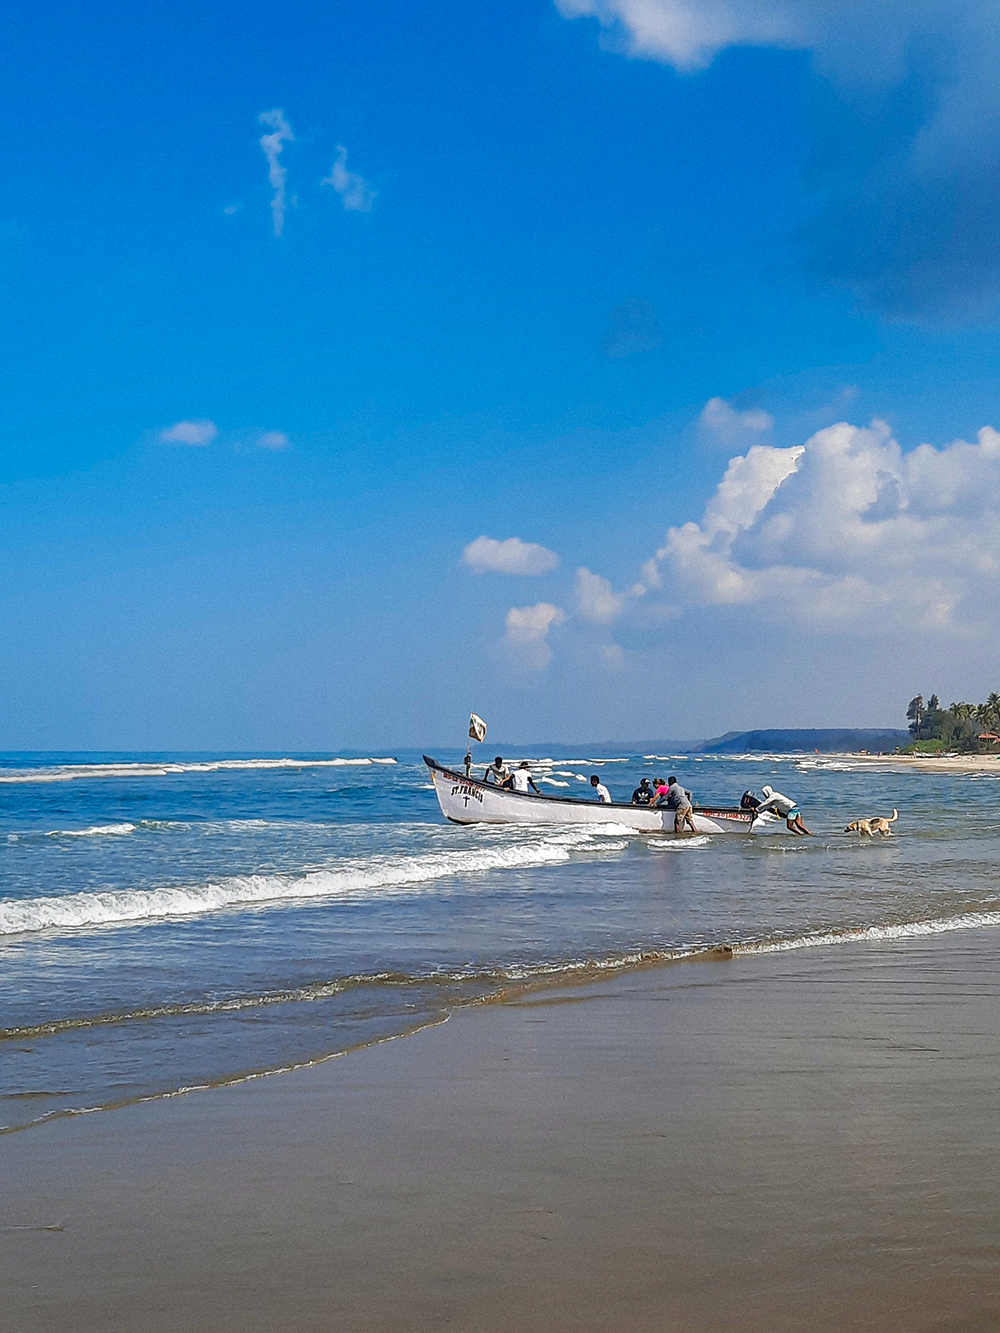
(786, 808)
(679, 800)
(497, 772)
(643, 794)
(603, 795)
(521, 779)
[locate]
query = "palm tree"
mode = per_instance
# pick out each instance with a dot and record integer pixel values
(915, 712)
(993, 704)
(933, 704)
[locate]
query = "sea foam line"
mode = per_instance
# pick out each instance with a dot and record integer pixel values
(902, 930)
(72, 772)
(385, 875)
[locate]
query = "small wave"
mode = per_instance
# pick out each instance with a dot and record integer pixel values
(382, 875)
(72, 772)
(680, 844)
(97, 831)
(553, 782)
(901, 930)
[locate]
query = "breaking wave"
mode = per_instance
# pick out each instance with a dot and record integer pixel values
(900, 930)
(98, 830)
(71, 772)
(385, 876)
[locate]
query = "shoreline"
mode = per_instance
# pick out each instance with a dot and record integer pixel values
(934, 763)
(795, 1139)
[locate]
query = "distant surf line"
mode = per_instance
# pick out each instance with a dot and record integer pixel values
(74, 772)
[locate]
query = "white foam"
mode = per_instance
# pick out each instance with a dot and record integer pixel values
(553, 782)
(681, 844)
(98, 830)
(379, 876)
(70, 772)
(904, 930)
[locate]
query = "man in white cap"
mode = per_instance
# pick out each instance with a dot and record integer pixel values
(521, 779)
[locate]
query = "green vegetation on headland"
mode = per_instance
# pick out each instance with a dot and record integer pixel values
(960, 728)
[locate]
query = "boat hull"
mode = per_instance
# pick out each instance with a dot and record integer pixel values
(468, 801)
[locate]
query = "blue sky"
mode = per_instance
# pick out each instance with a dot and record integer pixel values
(542, 272)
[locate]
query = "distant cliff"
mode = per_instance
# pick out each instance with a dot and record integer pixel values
(826, 739)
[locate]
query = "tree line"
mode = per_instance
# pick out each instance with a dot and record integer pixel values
(960, 726)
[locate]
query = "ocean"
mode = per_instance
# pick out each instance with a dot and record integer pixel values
(175, 922)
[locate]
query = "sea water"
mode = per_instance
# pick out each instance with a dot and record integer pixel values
(175, 922)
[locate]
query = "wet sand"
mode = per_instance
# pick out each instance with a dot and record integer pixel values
(797, 1141)
(936, 763)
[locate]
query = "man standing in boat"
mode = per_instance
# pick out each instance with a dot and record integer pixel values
(603, 795)
(521, 779)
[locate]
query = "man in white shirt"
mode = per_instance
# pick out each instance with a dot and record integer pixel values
(602, 792)
(521, 779)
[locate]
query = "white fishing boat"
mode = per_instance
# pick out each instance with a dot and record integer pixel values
(466, 800)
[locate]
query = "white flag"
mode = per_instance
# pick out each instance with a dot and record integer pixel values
(477, 728)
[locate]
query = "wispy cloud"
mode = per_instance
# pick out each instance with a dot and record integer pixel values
(273, 145)
(190, 432)
(731, 426)
(273, 439)
(596, 600)
(511, 556)
(632, 327)
(527, 633)
(356, 194)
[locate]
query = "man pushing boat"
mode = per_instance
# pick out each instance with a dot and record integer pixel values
(785, 807)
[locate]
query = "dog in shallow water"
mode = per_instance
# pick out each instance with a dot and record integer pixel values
(877, 824)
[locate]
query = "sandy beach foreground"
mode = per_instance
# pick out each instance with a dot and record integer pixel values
(802, 1140)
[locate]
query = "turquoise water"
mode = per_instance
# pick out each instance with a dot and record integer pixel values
(177, 921)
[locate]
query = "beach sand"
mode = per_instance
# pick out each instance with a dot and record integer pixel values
(792, 1141)
(936, 763)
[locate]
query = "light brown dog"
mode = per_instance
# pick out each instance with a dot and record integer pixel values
(882, 825)
(877, 824)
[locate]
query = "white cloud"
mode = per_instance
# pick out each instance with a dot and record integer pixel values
(527, 633)
(190, 432)
(595, 600)
(356, 194)
(910, 181)
(273, 146)
(273, 439)
(849, 532)
(731, 426)
(688, 33)
(512, 556)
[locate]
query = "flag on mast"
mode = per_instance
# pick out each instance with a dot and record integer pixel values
(477, 728)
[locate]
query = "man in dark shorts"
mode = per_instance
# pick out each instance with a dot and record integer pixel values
(679, 801)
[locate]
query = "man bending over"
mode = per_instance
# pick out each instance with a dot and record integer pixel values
(786, 808)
